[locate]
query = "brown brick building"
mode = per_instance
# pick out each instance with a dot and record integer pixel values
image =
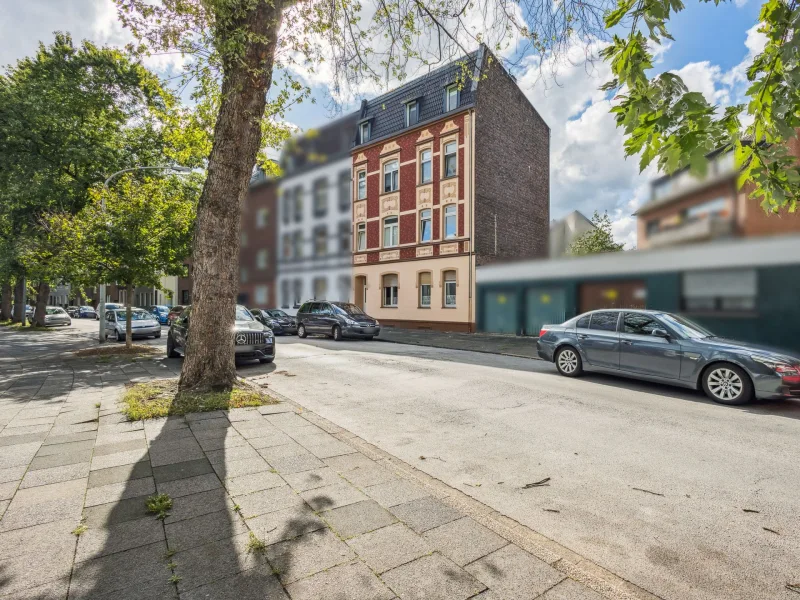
(450, 171)
(258, 247)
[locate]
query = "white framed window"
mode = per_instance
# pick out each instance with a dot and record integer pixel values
(287, 245)
(425, 290)
(390, 290)
(320, 240)
(298, 204)
(261, 217)
(450, 159)
(450, 221)
(320, 288)
(391, 234)
(425, 225)
(451, 98)
(320, 193)
(362, 185)
(364, 132)
(425, 166)
(262, 293)
(391, 176)
(361, 237)
(449, 289)
(412, 113)
(261, 258)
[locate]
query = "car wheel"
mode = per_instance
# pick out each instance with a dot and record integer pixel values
(568, 362)
(171, 348)
(727, 384)
(264, 361)
(157, 335)
(119, 337)
(301, 331)
(337, 333)
(368, 338)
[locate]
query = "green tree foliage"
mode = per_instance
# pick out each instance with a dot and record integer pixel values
(600, 239)
(665, 122)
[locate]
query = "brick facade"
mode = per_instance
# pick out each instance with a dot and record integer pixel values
(259, 243)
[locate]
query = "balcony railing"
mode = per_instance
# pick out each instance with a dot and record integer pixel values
(691, 231)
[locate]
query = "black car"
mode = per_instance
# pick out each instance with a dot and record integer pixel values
(252, 340)
(275, 319)
(337, 320)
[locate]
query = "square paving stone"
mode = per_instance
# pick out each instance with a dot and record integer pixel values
(425, 513)
(348, 462)
(195, 505)
(18, 455)
(120, 474)
(389, 547)
(369, 475)
(254, 584)
(355, 519)
(168, 456)
(246, 484)
(432, 577)
(13, 440)
(8, 489)
(204, 416)
(113, 438)
(331, 448)
(190, 485)
(45, 504)
(308, 554)
(282, 451)
(117, 459)
(570, 590)
(268, 440)
(297, 463)
(226, 455)
(351, 581)
(209, 562)
(221, 443)
(13, 473)
(55, 475)
(36, 555)
(332, 496)
(315, 478)
(512, 573)
(109, 575)
(464, 540)
(129, 509)
(274, 409)
(118, 537)
(285, 524)
(68, 447)
(265, 501)
(288, 420)
(119, 491)
(182, 470)
(245, 466)
(54, 590)
(204, 529)
(394, 492)
(135, 444)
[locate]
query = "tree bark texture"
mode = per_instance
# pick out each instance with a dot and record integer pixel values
(5, 301)
(40, 310)
(19, 307)
(210, 360)
(128, 324)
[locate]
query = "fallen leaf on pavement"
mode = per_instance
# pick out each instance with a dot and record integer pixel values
(750, 510)
(793, 587)
(552, 510)
(541, 483)
(647, 491)
(770, 530)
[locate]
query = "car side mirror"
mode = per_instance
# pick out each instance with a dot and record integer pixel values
(662, 333)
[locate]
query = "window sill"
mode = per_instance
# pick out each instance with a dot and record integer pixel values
(425, 183)
(448, 177)
(395, 306)
(424, 307)
(449, 307)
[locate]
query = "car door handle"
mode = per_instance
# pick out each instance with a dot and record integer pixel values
(627, 342)
(582, 336)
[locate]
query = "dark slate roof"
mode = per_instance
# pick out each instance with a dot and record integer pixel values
(386, 113)
(319, 146)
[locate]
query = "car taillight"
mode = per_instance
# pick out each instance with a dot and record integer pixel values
(542, 332)
(788, 373)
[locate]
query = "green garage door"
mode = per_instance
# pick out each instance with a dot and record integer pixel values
(500, 312)
(543, 306)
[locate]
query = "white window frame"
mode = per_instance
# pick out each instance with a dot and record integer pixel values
(391, 232)
(261, 217)
(409, 106)
(364, 132)
(426, 214)
(422, 287)
(362, 184)
(446, 155)
(422, 162)
(361, 237)
(392, 169)
(393, 293)
(453, 215)
(451, 97)
(449, 286)
(262, 258)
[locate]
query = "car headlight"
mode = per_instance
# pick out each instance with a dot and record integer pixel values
(376, 322)
(783, 369)
(348, 321)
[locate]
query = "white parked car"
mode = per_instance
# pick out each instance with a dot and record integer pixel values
(109, 306)
(55, 315)
(143, 324)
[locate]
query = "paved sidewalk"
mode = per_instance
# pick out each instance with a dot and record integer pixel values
(338, 518)
(510, 345)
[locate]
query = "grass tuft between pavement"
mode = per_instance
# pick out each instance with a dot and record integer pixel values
(160, 398)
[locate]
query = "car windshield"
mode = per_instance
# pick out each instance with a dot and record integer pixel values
(55, 311)
(348, 309)
(242, 314)
(114, 306)
(685, 327)
(277, 313)
(86, 308)
(136, 315)
(160, 309)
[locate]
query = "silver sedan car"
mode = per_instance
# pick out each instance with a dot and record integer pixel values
(143, 324)
(667, 348)
(55, 315)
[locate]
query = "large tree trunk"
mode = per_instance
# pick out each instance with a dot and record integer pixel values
(128, 324)
(209, 363)
(40, 310)
(19, 305)
(5, 301)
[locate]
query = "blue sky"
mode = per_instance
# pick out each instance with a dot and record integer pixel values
(588, 168)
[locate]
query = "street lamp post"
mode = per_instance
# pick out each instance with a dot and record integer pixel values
(102, 307)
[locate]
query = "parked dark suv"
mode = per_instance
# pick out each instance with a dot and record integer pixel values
(337, 320)
(252, 340)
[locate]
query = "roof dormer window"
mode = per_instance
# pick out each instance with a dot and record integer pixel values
(451, 98)
(412, 113)
(363, 131)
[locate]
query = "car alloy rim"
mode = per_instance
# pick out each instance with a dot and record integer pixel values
(567, 361)
(725, 384)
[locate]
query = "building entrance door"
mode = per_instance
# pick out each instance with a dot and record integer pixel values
(361, 292)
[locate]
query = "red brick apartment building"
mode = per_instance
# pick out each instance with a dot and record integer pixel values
(258, 246)
(450, 171)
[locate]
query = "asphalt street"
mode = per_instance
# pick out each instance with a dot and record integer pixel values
(681, 496)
